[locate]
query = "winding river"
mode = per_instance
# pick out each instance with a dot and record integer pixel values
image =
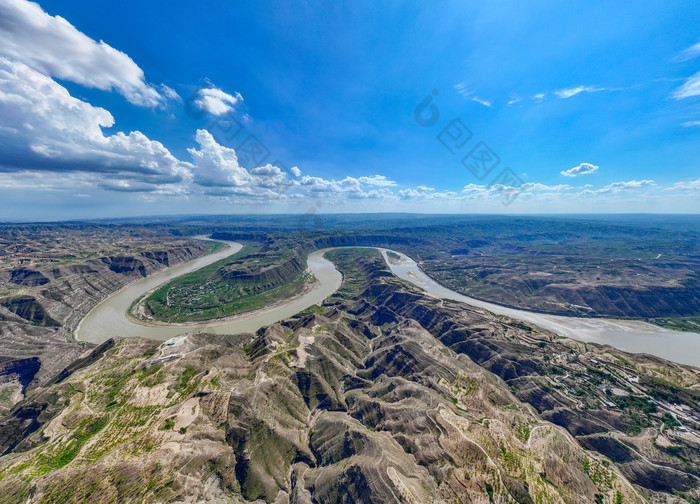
(628, 335)
(108, 319)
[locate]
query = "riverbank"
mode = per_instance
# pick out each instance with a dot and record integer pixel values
(627, 335)
(110, 319)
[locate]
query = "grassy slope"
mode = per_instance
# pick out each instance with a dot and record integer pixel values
(208, 294)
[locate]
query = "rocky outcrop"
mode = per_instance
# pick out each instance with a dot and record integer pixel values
(266, 277)
(124, 264)
(23, 370)
(41, 325)
(28, 308)
(26, 418)
(27, 277)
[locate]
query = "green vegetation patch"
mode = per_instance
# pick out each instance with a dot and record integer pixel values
(691, 324)
(257, 276)
(357, 265)
(64, 453)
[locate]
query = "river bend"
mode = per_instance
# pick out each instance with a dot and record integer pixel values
(108, 319)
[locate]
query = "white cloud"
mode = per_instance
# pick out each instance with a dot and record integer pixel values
(691, 87)
(377, 180)
(536, 186)
(218, 171)
(318, 184)
(551, 197)
(691, 52)
(38, 181)
(463, 90)
(474, 188)
(169, 92)
(582, 169)
(55, 132)
(270, 177)
(481, 101)
(349, 187)
(569, 92)
(572, 91)
(216, 102)
(690, 185)
(690, 124)
(53, 46)
(419, 192)
(216, 165)
(617, 187)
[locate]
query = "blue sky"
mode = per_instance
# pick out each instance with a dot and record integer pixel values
(119, 108)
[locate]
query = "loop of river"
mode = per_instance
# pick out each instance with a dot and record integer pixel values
(109, 318)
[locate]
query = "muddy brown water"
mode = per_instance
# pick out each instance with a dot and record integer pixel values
(108, 319)
(628, 335)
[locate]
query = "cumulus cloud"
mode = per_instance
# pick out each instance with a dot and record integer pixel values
(349, 187)
(53, 46)
(582, 169)
(474, 188)
(553, 194)
(215, 101)
(418, 192)
(271, 177)
(691, 87)
(216, 165)
(426, 193)
(43, 128)
(217, 170)
(376, 180)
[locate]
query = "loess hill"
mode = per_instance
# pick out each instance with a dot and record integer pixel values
(380, 395)
(52, 275)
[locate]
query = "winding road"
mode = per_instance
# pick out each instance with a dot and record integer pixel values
(109, 319)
